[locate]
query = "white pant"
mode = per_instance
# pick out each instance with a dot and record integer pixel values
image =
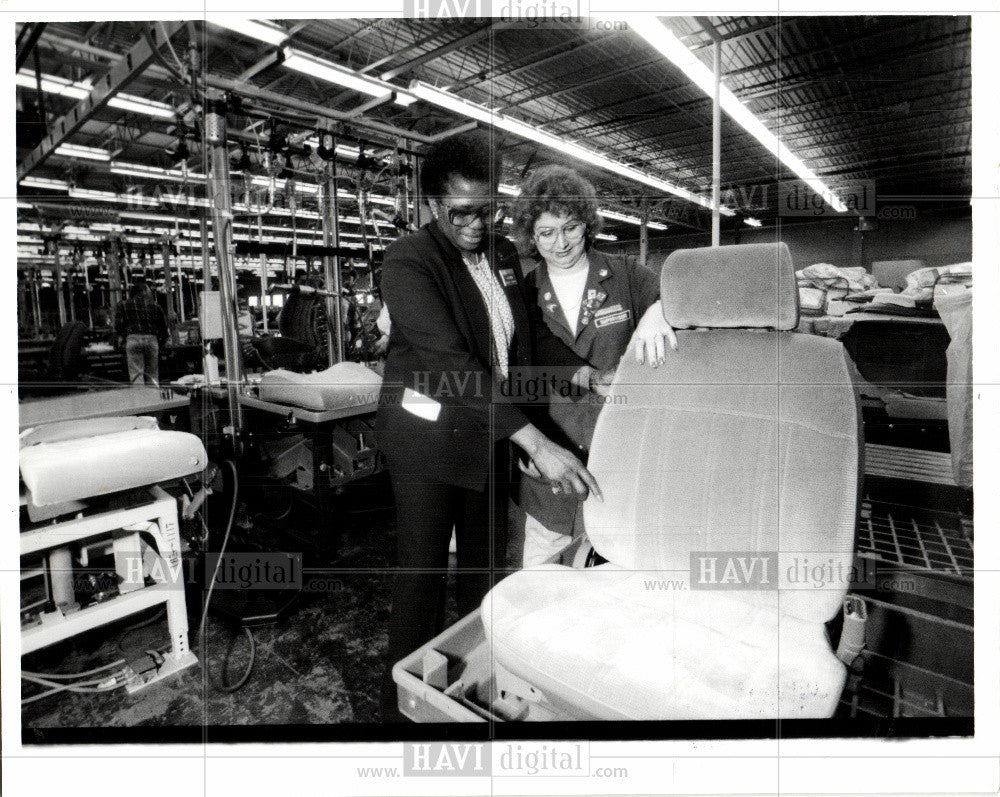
(543, 546)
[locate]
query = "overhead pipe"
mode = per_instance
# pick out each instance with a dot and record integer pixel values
(322, 112)
(716, 141)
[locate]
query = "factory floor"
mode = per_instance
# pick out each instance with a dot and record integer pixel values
(321, 663)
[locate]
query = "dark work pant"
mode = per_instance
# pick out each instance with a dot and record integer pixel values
(426, 512)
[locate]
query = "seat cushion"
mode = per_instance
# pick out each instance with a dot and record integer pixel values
(340, 386)
(64, 470)
(608, 643)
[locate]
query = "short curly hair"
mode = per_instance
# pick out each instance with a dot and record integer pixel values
(559, 190)
(471, 155)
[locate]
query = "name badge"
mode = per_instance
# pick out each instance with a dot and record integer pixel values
(420, 405)
(618, 317)
(507, 277)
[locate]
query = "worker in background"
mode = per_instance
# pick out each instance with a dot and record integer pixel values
(142, 325)
(598, 305)
(461, 323)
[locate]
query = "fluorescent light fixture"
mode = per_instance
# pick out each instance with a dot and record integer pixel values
(266, 32)
(52, 84)
(664, 41)
(128, 214)
(110, 196)
(138, 170)
(45, 182)
(128, 102)
(79, 151)
(613, 214)
(265, 182)
(605, 237)
(752, 222)
(334, 73)
(25, 206)
(450, 102)
(616, 216)
(509, 190)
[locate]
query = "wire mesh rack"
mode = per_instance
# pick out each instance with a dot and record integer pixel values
(923, 539)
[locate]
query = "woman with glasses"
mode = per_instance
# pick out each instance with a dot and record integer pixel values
(460, 325)
(599, 306)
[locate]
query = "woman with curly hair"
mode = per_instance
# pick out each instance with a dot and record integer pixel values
(461, 326)
(599, 306)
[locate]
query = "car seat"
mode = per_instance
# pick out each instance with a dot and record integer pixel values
(730, 477)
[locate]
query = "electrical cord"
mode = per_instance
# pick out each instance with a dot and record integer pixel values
(222, 550)
(224, 687)
(72, 675)
(79, 682)
(90, 686)
(160, 59)
(252, 658)
(136, 626)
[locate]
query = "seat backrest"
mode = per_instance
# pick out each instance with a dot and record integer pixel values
(746, 441)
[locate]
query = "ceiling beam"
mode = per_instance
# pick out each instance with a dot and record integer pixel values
(737, 36)
(388, 59)
(26, 41)
(439, 52)
(125, 72)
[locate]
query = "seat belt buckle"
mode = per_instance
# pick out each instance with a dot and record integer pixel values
(852, 636)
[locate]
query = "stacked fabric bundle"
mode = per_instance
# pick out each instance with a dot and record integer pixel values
(920, 284)
(822, 282)
(823, 288)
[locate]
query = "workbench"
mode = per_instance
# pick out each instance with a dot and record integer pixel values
(100, 404)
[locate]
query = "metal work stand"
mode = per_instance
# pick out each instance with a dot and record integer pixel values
(159, 519)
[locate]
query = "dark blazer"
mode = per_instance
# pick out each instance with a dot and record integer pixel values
(440, 347)
(615, 297)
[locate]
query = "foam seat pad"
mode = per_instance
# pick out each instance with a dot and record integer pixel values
(63, 470)
(339, 386)
(610, 643)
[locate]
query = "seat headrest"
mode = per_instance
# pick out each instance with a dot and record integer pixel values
(750, 285)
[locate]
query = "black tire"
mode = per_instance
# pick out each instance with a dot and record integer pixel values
(66, 360)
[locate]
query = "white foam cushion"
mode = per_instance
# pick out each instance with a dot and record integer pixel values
(342, 385)
(602, 643)
(66, 470)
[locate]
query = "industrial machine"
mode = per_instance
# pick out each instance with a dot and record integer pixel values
(100, 537)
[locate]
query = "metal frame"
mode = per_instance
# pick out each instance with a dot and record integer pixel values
(131, 65)
(159, 519)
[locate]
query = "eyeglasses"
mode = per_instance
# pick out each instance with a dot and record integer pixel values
(463, 217)
(573, 232)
